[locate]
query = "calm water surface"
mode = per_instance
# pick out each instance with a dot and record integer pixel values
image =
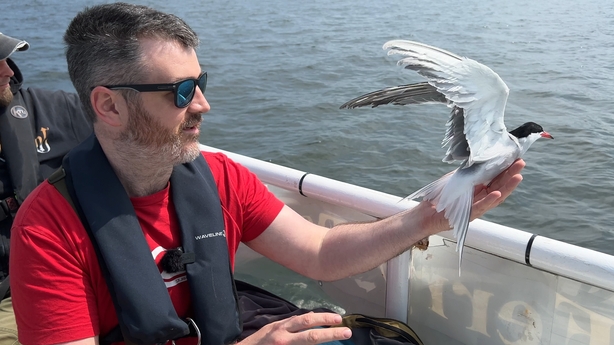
(279, 70)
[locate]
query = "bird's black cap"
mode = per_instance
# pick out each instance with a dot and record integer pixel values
(526, 129)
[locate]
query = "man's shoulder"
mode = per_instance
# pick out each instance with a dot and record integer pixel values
(62, 116)
(225, 170)
(217, 160)
(45, 94)
(215, 157)
(45, 202)
(55, 106)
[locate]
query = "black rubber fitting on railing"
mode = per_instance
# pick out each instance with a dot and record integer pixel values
(527, 253)
(300, 185)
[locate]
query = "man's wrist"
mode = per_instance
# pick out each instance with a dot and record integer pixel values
(430, 222)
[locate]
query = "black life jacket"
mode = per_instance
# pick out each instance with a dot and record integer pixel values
(21, 162)
(17, 134)
(144, 309)
(37, 129)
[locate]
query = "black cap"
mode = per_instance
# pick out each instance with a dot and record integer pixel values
(9, 44)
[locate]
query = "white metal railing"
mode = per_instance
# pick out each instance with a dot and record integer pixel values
(581, 264)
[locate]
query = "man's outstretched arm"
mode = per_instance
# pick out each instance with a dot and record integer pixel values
(347, 249)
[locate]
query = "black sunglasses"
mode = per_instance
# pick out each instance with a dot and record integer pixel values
(183, 90)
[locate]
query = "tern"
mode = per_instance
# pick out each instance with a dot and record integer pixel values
(475, 135)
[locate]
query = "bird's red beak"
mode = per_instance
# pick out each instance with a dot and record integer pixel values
(547, 135)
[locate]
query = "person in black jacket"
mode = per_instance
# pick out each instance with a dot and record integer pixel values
(37, 128)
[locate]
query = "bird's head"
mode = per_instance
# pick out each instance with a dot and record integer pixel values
(528, 133)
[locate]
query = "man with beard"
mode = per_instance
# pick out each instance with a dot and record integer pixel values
(37, 128)
(141, 189)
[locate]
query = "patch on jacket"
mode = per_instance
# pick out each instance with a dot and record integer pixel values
(19, 112)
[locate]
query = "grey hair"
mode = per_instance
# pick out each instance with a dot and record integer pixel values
(102, 45)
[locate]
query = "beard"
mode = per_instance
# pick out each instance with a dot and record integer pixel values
(151, 138)
(6, 97)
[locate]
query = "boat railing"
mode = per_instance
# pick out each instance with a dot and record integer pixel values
(507, 256)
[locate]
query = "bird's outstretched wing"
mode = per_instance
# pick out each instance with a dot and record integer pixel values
(418, 93)
(476, 94)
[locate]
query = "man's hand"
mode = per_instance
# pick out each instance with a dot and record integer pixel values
(485, 198)
(300, 330)
(491, 196)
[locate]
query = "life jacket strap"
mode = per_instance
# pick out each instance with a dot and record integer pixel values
(58, 181)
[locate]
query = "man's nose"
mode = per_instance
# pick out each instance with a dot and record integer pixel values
(5, 69)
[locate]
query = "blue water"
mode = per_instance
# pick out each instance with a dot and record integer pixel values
(279, 70)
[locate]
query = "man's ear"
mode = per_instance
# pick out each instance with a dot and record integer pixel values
(110, 106)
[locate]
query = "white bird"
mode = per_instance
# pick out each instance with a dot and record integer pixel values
(476, 134)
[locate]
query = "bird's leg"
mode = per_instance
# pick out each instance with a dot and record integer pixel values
(423, 244)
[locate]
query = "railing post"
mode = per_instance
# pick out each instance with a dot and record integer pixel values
(397, 287)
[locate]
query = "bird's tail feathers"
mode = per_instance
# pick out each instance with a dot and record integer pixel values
(458, 213)
(431, 191)
(456, 205)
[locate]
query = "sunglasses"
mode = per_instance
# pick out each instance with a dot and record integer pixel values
(183, 90)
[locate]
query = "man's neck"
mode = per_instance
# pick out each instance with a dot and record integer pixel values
(141, 172)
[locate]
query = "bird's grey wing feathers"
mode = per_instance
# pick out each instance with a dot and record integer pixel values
(468, 85)
(419, 93)
(458, 147)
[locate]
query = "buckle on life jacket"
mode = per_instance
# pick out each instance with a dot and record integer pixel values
(194, 331)
(115, 335)
(8, 208)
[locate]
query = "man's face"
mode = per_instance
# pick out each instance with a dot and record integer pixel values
(150, 135)
(155, 125)
(6, 96)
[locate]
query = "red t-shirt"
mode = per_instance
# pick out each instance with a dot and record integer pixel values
(59, 293)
